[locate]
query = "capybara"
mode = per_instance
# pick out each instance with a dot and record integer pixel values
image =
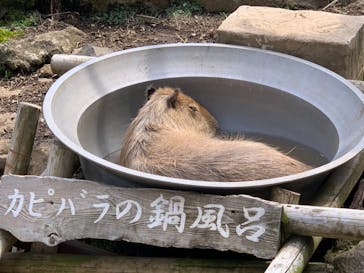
(175, 136)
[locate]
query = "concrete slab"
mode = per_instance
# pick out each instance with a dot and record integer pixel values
(332, 40)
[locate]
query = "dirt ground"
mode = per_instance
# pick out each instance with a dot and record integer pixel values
(138, 32)
(141, 31)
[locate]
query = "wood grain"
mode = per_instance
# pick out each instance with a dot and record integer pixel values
(90, 198)
(22, 140)
(344, 224)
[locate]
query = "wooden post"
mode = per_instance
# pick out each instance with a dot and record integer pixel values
(31, 263)
(21, 145)
(297, 251)
(19, 154)
(284, 196)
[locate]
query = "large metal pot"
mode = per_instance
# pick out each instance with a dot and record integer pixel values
(246, 89)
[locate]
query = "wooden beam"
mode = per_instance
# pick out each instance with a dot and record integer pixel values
(22, 141)
(297, 251)
(32, 263)
(344, 224)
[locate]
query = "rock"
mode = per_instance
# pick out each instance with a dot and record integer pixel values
(347, 257)
(332, 40)
(26, 54)
(91, 50)
(46, 71)
(231, 5)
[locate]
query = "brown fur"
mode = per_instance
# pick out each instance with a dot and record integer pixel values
(175, 136)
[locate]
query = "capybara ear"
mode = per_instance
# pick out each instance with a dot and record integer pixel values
(172, 99)
(149, 91)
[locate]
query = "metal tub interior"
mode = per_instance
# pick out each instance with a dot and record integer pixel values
(247, 90)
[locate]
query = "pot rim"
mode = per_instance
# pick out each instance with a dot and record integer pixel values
(173, 182)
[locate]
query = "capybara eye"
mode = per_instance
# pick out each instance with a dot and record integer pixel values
(193, 108)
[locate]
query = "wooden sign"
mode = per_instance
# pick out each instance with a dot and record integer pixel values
(53, 210)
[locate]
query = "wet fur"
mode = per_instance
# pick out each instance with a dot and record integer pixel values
(175, 136)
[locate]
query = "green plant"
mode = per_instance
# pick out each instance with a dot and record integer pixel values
(183, 8)
(6, 34)
(15, 18)
(118, 15)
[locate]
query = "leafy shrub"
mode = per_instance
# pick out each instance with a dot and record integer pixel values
(184, 8)
(6, 34)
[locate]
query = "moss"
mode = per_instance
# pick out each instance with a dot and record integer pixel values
(284, 219)
(6, 34)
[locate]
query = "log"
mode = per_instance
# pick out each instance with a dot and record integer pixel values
(19, 154)
(344, 224)
(31, 263)
(22, 140)
(61, 63)
(297, 251)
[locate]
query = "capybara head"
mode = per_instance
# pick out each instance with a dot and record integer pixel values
(171, 108)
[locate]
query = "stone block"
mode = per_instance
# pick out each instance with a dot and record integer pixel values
(332, 40)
